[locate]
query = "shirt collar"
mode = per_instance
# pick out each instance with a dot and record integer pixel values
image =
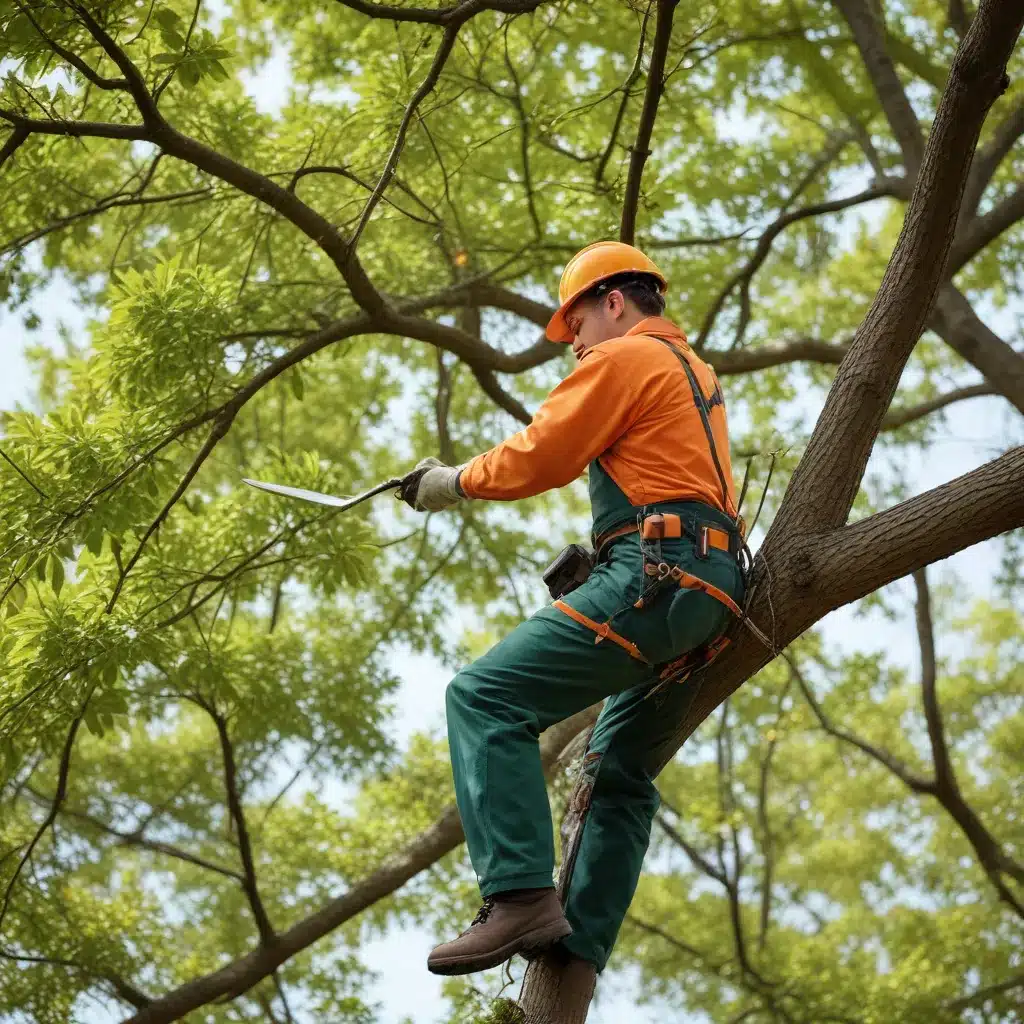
(660, 326)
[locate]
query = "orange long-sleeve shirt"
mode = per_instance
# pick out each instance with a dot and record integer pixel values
(629, 404)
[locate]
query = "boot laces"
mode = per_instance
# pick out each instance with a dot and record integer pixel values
(483, 913)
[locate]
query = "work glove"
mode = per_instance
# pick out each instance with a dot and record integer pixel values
(432, 486)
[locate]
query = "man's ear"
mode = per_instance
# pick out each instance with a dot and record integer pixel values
(616, 303)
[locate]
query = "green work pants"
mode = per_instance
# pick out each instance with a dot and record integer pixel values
(548, 668)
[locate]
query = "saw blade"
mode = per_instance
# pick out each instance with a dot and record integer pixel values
(322, 499)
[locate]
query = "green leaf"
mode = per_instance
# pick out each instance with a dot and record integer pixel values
(56, 574)
(189, 75)
(16, 598)
(167, 58)
(94, 540)
(168, 18)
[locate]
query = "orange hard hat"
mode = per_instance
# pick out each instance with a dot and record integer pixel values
(590, 266)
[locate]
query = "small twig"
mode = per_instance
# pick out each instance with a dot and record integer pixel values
(188, 39)
(652, 97)
(138, 838)
(745, 274)
(249, 883)
(282, 995)
(220, 428)
(58, 799)
(764, 494)
(23, 474)
(440, 58)
(900, 416)
(73, 59)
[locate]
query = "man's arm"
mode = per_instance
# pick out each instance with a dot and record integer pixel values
(583, 417)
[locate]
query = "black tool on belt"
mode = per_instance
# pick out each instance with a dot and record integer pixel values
(569, 570)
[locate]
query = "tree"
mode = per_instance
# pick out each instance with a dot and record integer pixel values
(367, 252)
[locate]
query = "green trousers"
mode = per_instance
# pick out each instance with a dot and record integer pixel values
(548, 668)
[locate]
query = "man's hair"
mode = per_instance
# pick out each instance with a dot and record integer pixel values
(641, 289)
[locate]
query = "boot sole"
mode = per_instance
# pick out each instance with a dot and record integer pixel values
(532, 942)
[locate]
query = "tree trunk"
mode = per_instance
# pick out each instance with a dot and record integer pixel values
(557, 992)
(811, 562)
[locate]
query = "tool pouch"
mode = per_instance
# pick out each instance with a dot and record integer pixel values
(568, 571)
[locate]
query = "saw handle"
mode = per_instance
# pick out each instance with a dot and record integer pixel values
(410, 484)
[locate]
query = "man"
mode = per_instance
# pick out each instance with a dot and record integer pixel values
(647, 416)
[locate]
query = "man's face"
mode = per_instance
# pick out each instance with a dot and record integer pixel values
(595, 320)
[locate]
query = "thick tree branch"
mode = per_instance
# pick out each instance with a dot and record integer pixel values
(76, 129)
(982, 230)
(861, 557)
(443, 15)
(495, 296)
(18, 137)
(990, 156)
(869, 35)
(489, 383)
(944, 776)
(953, 319)
(249, 882)
(808, 575)
(426, 849)
(648, 115)
(822, 490)
(958, 17)
(487, 293)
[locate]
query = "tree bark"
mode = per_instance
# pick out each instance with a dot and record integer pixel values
(956, 323)
(811, 562)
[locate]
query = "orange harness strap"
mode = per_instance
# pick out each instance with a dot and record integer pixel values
(603, 631)
(696, 583)
(690, 582)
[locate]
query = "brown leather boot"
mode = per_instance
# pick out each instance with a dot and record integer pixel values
(524, 920)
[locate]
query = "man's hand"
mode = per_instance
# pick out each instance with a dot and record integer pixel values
(432, 486)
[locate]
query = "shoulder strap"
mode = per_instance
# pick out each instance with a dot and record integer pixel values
(704, 408)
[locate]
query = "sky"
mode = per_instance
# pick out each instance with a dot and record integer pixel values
(977, 431)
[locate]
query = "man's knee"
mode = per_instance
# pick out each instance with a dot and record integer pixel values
(459, 694)
(626, 781)
(473, 694)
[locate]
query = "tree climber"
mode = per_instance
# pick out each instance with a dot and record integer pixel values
(647, 416)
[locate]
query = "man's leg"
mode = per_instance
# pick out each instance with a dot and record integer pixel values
(547, 669)
(617, 827)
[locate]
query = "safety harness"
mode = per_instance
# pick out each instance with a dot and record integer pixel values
(659, 574)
